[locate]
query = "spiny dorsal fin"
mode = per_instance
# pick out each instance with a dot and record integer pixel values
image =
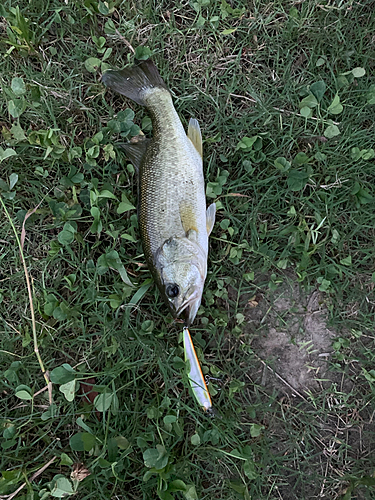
(210, 218)
(194, 134)
(135, 151)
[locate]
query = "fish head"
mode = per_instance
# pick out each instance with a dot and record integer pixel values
(183, 287)
(182, 269)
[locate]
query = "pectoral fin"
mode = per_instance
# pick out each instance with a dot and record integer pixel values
(188, 217)
(210, 218)
(194, 134)
(135, 151)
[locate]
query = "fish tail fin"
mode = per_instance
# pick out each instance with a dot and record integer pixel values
(135, 82)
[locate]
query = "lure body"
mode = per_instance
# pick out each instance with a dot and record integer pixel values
(195, 374)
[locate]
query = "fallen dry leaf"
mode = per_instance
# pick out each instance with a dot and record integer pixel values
(79, 472)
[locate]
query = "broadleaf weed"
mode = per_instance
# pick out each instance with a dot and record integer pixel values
(286, 112)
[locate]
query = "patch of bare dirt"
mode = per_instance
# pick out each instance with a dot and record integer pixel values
(291, 338)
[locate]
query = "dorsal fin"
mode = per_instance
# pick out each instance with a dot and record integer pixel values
(135, 151)
(194, 134)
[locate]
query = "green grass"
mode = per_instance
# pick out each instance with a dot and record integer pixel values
(296, 204)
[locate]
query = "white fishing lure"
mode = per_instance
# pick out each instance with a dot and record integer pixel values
(195, 374)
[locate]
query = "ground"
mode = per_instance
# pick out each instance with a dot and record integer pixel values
(292, 343)
(95, 400)
(292, 336)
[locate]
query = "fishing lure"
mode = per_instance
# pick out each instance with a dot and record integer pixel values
(195, 374)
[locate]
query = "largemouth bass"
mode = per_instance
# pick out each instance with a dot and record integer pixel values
(173, 220)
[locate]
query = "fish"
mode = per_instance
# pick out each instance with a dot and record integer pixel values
(196, 379)
(174, 221)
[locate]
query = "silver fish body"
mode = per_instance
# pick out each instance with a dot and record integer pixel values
(173, 220)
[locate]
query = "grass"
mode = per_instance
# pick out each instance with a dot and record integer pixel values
(292, 174)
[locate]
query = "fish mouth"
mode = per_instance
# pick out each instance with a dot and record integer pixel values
(190, 308)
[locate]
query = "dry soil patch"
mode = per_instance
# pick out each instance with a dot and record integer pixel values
(291, 337)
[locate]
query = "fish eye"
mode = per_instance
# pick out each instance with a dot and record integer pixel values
(172, 290)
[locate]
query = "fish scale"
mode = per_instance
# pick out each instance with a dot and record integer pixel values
(160, 216)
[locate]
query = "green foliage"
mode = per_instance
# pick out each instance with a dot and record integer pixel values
(286, 113)
(142, 53)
